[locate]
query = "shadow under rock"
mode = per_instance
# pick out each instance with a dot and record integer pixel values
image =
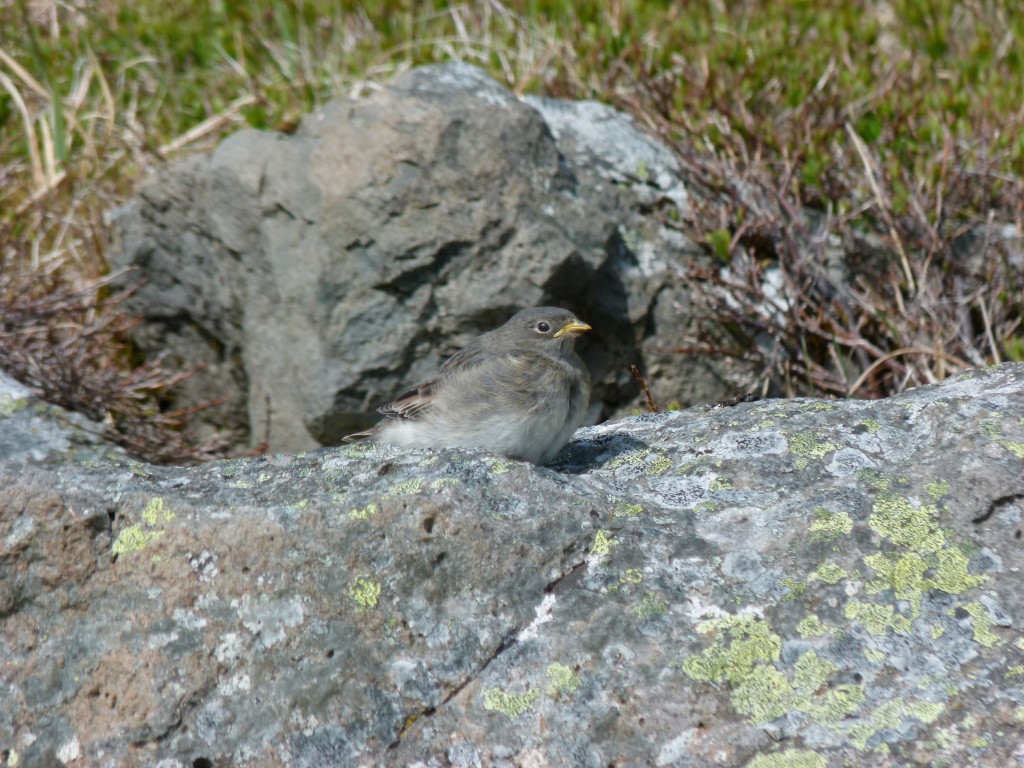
(592, 452)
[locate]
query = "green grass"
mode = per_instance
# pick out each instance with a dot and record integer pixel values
(900, 120)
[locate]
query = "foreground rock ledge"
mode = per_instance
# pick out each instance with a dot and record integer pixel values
(780, 583)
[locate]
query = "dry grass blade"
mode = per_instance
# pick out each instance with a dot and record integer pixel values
(38, 177)
(210, 125)
(884, 205)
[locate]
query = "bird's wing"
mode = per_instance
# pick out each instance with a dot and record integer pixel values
(493, 374)
(411, 404)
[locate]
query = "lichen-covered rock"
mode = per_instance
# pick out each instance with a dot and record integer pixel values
(781, 583)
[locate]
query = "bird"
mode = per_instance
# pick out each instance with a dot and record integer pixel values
(519, 391)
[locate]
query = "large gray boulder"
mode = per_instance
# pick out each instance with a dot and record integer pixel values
(321, 273)
(784, 583)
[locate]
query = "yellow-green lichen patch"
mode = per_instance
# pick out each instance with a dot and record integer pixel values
(916, 528)
(874, 479)
(720, 484)
(136, 537)
(951, 574)
(982, 625)
(632, 457)
(603, 544)
(631, 576)
(441, 482)
(809, 445)
(691, 466)
(905, 575)
(365, 592)
(500, 466)
(994, 431)
(890, 715)
(654, 462)
(362, 514)
(650, 607)
(990, 429)
(1017, 671)
(871, 654)
(876, 619)
(789, 758)
(630, 510)
(1017, 449)
(745, 661)
(937, 489)
(812, 626)
(830, 573)
(762, 696)
(819, 406)
(659, 463)
(356, 450)
(412, 485)
(156, 512)
(11, 405)
(796, 588)
(828, 525)
(871, 425)
(829, 708)
(758, 690)
(564, 681)
(707, 506)
(750, 643)
(937, 632)
(497, 700)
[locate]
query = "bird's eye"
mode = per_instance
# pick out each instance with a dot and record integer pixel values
(543, 327)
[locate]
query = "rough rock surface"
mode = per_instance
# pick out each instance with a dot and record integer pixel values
(781, 583)
(321, 273)
(32, 430)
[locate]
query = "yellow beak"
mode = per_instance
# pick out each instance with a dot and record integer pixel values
(573, 328)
